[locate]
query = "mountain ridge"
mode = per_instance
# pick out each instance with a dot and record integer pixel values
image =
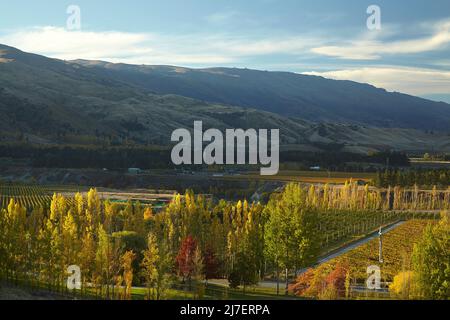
(312, 98)
(48, 100)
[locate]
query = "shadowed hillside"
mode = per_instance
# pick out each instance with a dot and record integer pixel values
(288, 94)
(46, 100)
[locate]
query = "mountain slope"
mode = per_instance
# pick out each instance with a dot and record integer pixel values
(52, 101)
(288, 94)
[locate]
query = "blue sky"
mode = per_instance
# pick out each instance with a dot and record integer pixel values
(411, 52)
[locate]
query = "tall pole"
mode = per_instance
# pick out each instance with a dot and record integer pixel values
(380, 252)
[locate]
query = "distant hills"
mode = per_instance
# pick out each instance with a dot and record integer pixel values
(50, 100)
(288, 94)
(45, 100)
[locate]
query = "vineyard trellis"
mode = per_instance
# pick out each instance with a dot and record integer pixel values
(32, 196)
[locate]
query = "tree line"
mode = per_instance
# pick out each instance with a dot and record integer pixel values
(158, 157)
(409, 178)
(191, 241)
(117, 247)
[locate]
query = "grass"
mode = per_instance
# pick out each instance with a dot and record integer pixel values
(308, 176)
(217, 292)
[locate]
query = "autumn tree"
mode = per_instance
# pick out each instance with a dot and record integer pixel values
(198, 272)
(185, 259)
(150, 266)
(431, 258)
(404, 285)
(211, 263)
(127, 267)
(336, 280)
(107, 255)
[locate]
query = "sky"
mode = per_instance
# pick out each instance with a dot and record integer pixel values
(410, 52)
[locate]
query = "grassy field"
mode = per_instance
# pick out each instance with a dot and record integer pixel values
(308, 176)
(217, 292)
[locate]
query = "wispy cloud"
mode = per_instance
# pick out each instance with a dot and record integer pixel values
(414, 81)
(290, 52)
(63, 44)
(372, 49)
(151, 48)
(203, 49)
(113, 46)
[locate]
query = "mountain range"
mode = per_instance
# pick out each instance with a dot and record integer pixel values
(51, 101)
(288, 94)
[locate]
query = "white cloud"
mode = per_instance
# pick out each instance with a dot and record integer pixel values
(246, 47)
(63, 44)
(209, 49)
(414, 81)
(205, 50)
(369, 48)
(149, 48)
(138, 48)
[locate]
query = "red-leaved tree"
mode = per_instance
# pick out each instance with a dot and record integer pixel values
(336, 279)
(185, 258)
(211, 264)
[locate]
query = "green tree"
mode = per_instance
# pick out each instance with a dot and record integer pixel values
(431, 261)
(150, 266)
(290, 232)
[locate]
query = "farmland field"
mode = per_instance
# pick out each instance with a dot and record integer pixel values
(309, 176)
(397, 248)
(31, 196)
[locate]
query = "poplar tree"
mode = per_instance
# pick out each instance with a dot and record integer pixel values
(291, 240)
(127, 267)
(431, 257)
(150, 266)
